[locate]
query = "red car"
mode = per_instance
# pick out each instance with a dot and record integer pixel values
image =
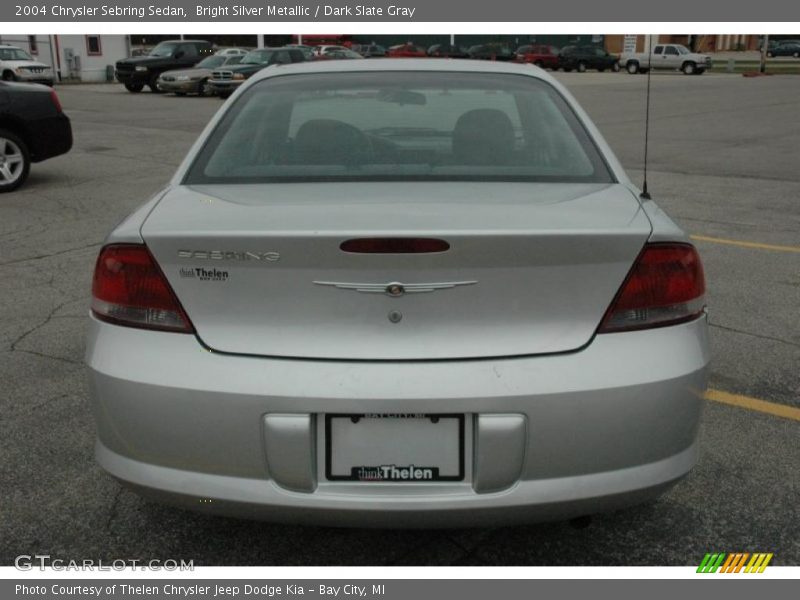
(407, 51)
(545, 57)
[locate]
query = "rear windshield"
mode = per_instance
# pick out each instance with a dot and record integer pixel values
(395, 126)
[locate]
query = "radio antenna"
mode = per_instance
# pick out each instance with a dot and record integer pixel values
(645, 195)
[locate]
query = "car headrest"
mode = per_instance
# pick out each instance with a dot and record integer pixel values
(330, 142)
(484, 136)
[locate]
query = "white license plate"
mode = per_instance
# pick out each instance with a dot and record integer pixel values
(402, 448)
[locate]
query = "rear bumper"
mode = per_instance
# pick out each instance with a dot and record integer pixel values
(528, 501)
(49, 137)
(609, 426)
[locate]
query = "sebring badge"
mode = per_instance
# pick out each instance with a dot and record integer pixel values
(395, 289)
(229, 255)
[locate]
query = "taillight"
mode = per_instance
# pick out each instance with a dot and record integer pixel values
(665, 286)
(129, 289)
(55, 100)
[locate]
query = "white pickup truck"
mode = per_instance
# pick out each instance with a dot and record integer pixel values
(666, 56)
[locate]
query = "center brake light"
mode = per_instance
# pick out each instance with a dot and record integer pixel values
(666, 286)
(394, 245)
(130, 289)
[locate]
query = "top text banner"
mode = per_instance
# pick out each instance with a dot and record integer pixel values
(419, 11)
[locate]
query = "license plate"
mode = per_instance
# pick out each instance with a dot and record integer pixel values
(396, 448)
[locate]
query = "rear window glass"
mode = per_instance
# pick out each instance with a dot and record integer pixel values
(399, 126)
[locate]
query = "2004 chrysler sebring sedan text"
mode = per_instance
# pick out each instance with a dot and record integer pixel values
(405, 294)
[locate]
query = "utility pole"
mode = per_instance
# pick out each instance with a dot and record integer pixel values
(764, 46)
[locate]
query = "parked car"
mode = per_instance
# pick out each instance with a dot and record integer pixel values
(406, 51)
(420, 294)
(369, 50)
(581, 58)
(308, 51)
(325, 48)
(18, 65)
(33, 128)
(339, 54)
(225, 80)
(673, 57)
(492, 51)
(543, 56)
(770, 45)
(447, 51)
(785, 48)
(231, 51)
(195, 80)
(136, 72)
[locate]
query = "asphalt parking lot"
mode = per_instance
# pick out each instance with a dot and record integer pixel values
(724, 164)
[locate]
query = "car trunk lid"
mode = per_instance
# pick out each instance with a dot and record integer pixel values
(530, 269)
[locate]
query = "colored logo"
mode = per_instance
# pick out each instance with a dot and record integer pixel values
(735, 562)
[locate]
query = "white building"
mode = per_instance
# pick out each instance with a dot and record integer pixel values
(75, 57)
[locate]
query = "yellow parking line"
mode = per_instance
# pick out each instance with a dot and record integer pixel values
(771, 408)
(705, 238)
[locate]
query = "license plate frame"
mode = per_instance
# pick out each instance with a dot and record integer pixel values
(353, 476)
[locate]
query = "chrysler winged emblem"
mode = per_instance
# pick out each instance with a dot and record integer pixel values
(395, 289)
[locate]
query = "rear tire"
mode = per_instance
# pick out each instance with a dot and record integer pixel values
(632, 67)
(601, 69)
(615, 67)
(134, 87)
(770, 54)
(581, 67)
(796, 54)
(15, 161)
(539, 64)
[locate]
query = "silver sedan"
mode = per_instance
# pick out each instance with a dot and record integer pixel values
(404, 293)
(195, 79)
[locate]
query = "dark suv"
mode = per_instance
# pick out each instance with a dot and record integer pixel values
(581, 58)
(225, 80)
(140, 71)
(491, 51)
(447, 51)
